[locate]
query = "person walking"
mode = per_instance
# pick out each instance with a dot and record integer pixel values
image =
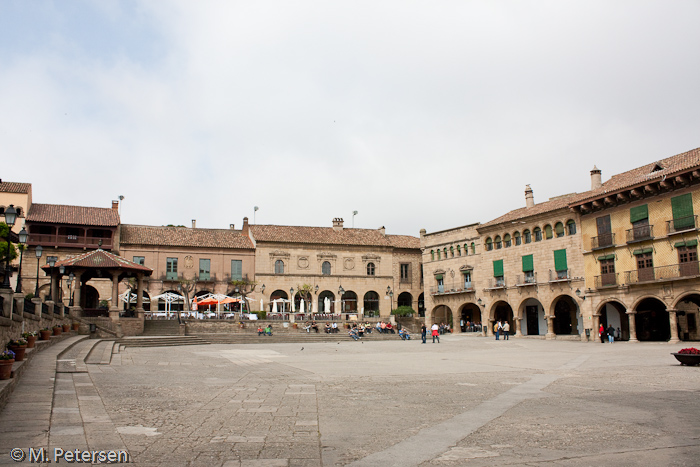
(436, 332)
(496, 328)
(506, 330)
(611, 334)
(423, 332)
(601, 333)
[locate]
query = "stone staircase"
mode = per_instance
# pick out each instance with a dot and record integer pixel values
(160, 341)
(275, 338)
(161, 327)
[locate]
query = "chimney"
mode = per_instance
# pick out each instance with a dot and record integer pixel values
(232, 226)
(382, 230)
(422, 233)
(194, 223)
(244, 230)
(338, 223)
(115, 205)
(529, 198)
(596, 181)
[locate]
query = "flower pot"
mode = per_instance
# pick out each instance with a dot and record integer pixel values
(66, 328)
(45, 334)
(57, 330)
(19, 352)
(687, 358)
(6, 368)
(76, 326)
(30, 342)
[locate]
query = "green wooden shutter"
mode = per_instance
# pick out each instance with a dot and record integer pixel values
(236, 270)
(682, 208)
(528, 263)
(639, 213)
(498, 268)
(560, 260)
(438, 276)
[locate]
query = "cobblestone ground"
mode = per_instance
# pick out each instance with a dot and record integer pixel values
(465, 401)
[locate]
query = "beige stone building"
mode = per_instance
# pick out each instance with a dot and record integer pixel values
(640, 235)
(361, 271)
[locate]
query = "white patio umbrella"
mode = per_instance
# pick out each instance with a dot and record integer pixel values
(326, 305)
(315, 307)
(274, 306)
(301, 306)
(168, 298)
(293, 306)
(261, 305)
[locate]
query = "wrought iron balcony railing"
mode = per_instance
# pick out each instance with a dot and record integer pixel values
(661, 273)
(523, 280)
(603, 241)
(641, 233)
(682, 224)
(606, 280)
(555, 276)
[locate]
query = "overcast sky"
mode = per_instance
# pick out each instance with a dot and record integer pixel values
(418, 115)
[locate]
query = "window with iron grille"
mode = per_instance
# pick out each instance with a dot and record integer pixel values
(405, 271)
(171, 268)
(370, 269)
(538, 234)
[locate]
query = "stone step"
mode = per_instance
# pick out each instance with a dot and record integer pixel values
(162, 341)
(247, 338)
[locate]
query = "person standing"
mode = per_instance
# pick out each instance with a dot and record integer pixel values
(436, 332)
(496, 328)
(506, 330)
(423, 332)
(601, 333)
(611, 334)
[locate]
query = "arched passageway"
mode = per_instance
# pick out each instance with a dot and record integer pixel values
(421, 305)
(615, 314)
(371, 304)
(688, 309)
(470, 318)
(405, 299)
(442, 314)
(533, 322)
(652, 320)
(566, 316)
(502, 311)
(177, 305)
(322, 302)
(349, 302)
(89, 297)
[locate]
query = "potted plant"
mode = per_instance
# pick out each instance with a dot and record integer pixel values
(18, 347)
(30, 337)
(689, 356)
(7, 358)
(76, 326)
(45, 334)
(57, 329)
(66, 327)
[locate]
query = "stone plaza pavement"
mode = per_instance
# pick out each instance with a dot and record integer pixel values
(466, 401)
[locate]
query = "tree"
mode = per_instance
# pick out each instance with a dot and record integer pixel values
(186, 286)
(304, 291)
(244, 287)
(5, 235)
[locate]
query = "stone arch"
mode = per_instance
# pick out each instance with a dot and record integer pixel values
(442, 314)
(348, 302)
(322, 297)
(371, 304)
(421, 305)
(404, 299)
(469, 317)
(652, 320)
(531, 313)
(613, 312)
(685, 296)
(501, 311)
(688, 315)
(567, 316)
(89, 297)
(177, 305)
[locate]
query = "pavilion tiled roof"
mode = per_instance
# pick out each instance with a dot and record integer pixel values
(183, 237)
(644, 174)
(100, 259)
(330, 236)
(15, 187)
(540, 208)
(74, 215)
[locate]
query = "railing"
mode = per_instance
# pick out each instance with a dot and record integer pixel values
(405, 280)
(57, 308)
(440, 290)
(682, 224)
(637, 234)
(526, 279)
(672, 271)
(69, 241)
(497, 283)
(603, 241)
(606, 280)
(29, 306)
(44, 308)
(563, 275)
(170, 276)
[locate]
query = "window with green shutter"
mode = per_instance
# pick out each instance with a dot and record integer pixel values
(204, 269)
(560, 260)
(548, 231)
(682, 208)
(639, 213)
(236, 270)
(498, 268)
(528, 263)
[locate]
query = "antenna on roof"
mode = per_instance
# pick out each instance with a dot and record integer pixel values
(354, 213)
(255, 209)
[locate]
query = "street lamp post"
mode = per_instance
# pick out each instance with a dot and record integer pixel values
(10, 217)
(23, 235)
(71, 277)
(52, 262)
(37, 252)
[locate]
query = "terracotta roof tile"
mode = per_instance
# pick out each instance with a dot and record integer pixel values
(540, 208)
(75, 215)
(644, 174)
(15, 187)
(329, 236)
(100, 259)
(183, 236)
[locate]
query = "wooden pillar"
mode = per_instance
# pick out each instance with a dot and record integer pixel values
(114, 308)
(77, 288)
(673, 322)
(139, 296)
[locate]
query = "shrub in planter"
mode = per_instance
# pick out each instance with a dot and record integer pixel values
(45, 334)
(403, 311)
(18, 347)
(7, 358)
(30, 337)
(57, 330)
(66, 327)
(76, 326)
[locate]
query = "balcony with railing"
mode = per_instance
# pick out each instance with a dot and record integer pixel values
(496, 283)
(606, 280)
(454, 289)
(69, 241)
(663, 273)
(525, 280)
(639, 234)
(560, 276)
(602, 241)
(682, 224)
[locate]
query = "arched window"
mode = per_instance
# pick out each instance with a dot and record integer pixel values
(432, 255)
(466, 250)
(517, 239)
(538, 234)
(506, 240)
(279, 267)
(438, 252)
(370, 268)
(445, 250)
(371, 303)
(559, 229)
(452, 252)
(459, 251)
(489, 244)
(527, 237)
(497, 242)
(473, 248)
(326, 268)
(548, 232)
(571, 227)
